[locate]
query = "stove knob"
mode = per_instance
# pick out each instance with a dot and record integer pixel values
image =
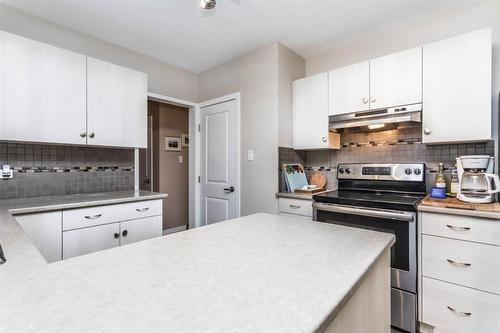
(341, 170)
(408, 171)
(348, 171)
(417, 171)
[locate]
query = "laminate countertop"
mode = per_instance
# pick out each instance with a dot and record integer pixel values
(258, 273)
(22, 256)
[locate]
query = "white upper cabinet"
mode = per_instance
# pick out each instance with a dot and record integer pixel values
(310, 113)
(396, 79)
(42, 92)
(457, 89)
(349, 89)
(116, 105)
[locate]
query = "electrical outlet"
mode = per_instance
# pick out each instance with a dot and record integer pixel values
(181, 159)
(250, 155)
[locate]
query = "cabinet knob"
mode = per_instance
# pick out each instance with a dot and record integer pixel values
(365, 100)
(323, 139)
(427, 131)
(116, 235)
(83, 134)
(374, 100)
(92, 135)
(124, 233)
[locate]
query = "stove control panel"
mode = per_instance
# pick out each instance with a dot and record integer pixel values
(395, 172)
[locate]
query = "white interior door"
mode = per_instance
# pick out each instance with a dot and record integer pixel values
(220, 174)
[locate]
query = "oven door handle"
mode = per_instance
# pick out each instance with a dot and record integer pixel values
(386, 214)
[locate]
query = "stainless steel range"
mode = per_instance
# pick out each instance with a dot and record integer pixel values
(382, 197)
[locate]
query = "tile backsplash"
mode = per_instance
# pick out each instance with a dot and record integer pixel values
(391, 146)
(43, 170)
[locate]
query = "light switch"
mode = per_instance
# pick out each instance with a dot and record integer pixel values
(250, 155)
(181, 159)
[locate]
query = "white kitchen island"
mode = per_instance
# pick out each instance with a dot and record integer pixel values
(259, 273)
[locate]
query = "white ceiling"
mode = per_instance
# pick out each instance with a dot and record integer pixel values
(180, 33)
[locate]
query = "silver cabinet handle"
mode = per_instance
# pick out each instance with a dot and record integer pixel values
(458, 264)
(382, 213)
(374, 100)
(323, 139)
(365, 100)
(92, 135)
(427, 131)
(459, 313)
(93, 217)
(294, 206)
(83, 134)
(141, 210)
(2, 256)
(455, 228)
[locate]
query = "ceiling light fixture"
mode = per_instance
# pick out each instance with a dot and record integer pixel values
(207, 4)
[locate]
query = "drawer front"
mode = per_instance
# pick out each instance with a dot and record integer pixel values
(455, 309)
(473, 265)
(295, 206)
(98, 215)
(88, 240)
(462, 227)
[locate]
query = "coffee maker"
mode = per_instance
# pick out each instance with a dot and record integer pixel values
(477, 183)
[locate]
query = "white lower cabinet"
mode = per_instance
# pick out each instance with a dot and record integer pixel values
(460, 275)
(74, 232)
(87, 240)
(141, 229)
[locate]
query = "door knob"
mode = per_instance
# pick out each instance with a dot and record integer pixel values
(323, 139)
(365, 100)
(83, 134)
(374, 100)
(427, 131)
(116, 235)
(229, 189)
(124, 233)
(92, 135)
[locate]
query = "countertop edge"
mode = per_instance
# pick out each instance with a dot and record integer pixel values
(299, 196)
(457, 211)
(336, 310)
(97, 202)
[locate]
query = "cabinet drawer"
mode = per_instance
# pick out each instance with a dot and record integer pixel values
(295, 206)
(92, 216)
(440, 299)
(473, 265)
(88, 240)
(462, 227)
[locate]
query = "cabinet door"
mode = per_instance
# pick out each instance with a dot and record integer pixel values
(87, 240)
(349, 89)
(396, 79)
(310, 112)
(141, 229)
(42, 92)
(117, 105)
(45, 231)
(457, 89)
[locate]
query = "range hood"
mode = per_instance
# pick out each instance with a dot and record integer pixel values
(377, 119)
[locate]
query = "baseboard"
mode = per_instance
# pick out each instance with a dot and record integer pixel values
(174, 230)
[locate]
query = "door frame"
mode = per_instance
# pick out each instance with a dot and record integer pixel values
(236, 97)
(195, 149)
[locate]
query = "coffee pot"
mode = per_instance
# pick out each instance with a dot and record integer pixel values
(477, 183)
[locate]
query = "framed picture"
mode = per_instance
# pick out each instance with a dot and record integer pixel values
(172, 143)
(185, 140)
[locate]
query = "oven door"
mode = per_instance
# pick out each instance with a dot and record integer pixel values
(399, 223)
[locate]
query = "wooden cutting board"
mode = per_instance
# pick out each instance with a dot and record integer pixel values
(318, 179)
(452, 202)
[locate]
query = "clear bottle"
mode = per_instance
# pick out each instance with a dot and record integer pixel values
(440, 179)
(454, 183)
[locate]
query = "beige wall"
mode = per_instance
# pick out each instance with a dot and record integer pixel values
(291, 67)
(403, 35)
(163, 78)
(170, 176)
(264, 79)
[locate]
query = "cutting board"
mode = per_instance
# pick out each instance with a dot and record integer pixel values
(318, 179)
(452, 202)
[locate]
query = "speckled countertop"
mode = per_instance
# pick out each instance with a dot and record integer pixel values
(301, 196)
(22, 256)
(259, 273)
